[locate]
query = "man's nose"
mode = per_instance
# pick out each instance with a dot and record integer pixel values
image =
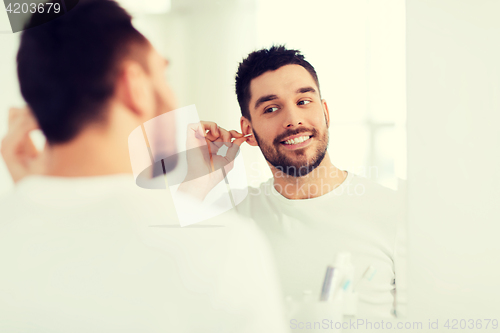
(293, 117)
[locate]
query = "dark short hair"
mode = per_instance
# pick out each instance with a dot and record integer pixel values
(68, 67)
(261, 61)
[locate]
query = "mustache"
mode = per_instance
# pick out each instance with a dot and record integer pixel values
(297, 131)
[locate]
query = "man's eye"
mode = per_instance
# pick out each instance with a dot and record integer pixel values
(303, 102)
(271, 109)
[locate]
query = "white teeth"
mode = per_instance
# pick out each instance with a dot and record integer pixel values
(296, 140)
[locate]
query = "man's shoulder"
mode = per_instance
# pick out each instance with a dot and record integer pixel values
(45, 198)
(373, 190)
(260, 191)
(255, 197)
(10, 204)
(386, 204)
(261, 188)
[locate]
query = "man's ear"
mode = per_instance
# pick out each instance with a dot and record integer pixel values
(246, 128)
(133, 89)
(326, 112)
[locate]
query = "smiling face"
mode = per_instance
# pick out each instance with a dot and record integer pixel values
(289, 119)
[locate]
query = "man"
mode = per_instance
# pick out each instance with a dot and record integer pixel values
(82, 248)
(311, 210)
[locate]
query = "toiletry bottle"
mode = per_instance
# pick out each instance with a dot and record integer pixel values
(343, 260)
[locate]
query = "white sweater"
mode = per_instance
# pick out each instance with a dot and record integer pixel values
(360, 217)
(99, 254)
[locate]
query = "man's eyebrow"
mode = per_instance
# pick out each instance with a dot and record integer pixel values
(305, 90)
(264, 99)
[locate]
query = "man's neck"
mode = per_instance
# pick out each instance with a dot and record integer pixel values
(322, 180)
(93, 153)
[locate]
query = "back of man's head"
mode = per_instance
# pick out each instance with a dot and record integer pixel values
(261, 61)
(68, 67)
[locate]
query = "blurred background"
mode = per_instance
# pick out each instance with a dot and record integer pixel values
(357, 48)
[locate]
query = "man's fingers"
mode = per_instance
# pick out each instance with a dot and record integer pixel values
(21, 113)
(216, 135)
(15, 113)
(213, 147)
(219, 134)
(240, 141)
(29, 146)
(233, 150)
(225, 136)
(197, 130)
(219, 142)
(18, 132)
(201, 129)
(17, 138)
(19, 153)
(235, 134)
(212, 128)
